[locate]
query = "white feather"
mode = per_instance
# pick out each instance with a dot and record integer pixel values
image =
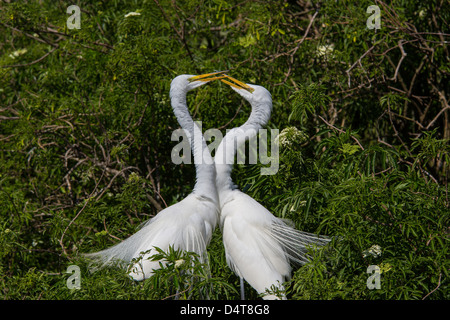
(187, 225)
(259, 246)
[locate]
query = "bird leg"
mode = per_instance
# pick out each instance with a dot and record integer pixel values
(242, 288)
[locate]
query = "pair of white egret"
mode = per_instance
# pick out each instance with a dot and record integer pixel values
(259, 247)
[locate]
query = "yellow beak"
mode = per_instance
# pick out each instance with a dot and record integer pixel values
(221, 75)
(237, 84)
(208, 76)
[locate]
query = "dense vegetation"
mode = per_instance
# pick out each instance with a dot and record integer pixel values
(86, 123)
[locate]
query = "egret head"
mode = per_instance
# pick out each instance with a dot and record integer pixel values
(186, 82)
(258, 96)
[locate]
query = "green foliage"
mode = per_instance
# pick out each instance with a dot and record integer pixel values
(184, 276)
(86, 124)
(306, 99)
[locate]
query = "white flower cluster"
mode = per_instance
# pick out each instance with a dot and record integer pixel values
(17, 53)
(162, 99)
(290, 135)
(374, 251)
(130, 14)
(325, 50)
(178, 263)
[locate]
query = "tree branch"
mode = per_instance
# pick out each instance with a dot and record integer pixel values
(33, 62)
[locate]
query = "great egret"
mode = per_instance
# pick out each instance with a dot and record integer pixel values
(259, 247)
(187, 225)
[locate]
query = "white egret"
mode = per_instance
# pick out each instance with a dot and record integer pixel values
(259, 247)
(187, 225)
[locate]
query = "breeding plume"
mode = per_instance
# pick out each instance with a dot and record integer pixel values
(259, 247)
(187, 225)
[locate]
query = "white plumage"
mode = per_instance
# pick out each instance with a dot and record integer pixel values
(187, 225)
(259, 246)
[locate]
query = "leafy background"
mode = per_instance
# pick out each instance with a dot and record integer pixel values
(85, 127)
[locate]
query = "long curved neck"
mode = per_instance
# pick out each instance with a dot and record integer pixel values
(234, 138)
(204, 164)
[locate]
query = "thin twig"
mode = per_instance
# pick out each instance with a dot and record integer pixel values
(180, 34)
(439, 284)
(178, 293)
(226, 124)
(399, 62)
(341, 131)
(294, 51)
(33, 62)
(112, 180)
(357, 62)
(78, 214)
